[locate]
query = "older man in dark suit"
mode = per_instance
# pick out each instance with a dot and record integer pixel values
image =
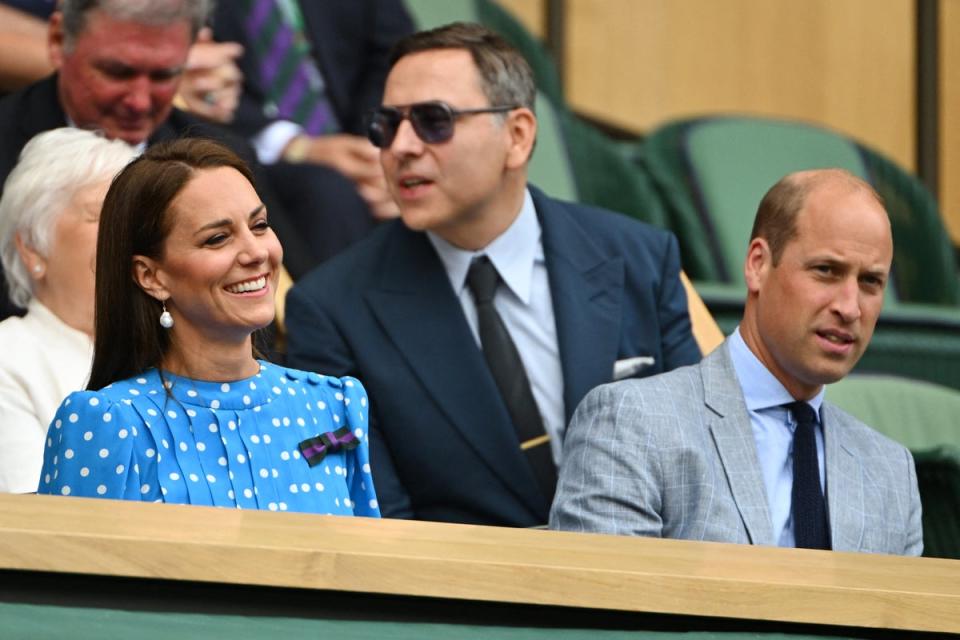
(479, 320)
(118, 69)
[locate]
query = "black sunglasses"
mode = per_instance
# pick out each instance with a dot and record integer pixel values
(432, 121)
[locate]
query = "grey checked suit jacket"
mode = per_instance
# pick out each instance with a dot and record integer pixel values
(674, 456)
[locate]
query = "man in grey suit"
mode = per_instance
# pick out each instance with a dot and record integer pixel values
(723, 450)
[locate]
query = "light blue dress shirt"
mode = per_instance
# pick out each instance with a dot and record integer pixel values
(525, 304)
(773, 428)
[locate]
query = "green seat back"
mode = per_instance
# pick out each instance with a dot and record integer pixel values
(734, 161)
(712, 172)
(608, 176)
(926, 419)
(550, 167)
(920, 415)
(660, 158)
(938, 476)
(924, 267)
(429, 14)
(494, 16)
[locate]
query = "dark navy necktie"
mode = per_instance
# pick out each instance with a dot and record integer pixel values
(810, 527)
(505, 364)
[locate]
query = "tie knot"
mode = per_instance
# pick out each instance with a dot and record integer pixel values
(802, 412)
(482, 278)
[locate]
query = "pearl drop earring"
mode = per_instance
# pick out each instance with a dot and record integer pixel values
(166, 320)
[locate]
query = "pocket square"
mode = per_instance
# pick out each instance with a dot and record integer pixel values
(629, 367)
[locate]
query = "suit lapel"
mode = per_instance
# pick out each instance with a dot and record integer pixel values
(845, 499)
(418, 310)
(166, 131)
(729, 424)
(587, 291)
(42, 109)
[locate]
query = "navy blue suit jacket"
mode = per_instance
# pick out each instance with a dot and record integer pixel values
(442, 444)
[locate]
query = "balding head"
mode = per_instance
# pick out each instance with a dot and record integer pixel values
(776, 220)
(815, 271)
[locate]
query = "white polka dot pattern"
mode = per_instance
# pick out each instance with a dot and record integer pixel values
(229, 444)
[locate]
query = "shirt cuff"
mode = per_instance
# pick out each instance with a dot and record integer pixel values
(273, 139)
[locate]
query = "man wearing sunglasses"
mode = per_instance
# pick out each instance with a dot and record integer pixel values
(479, 320)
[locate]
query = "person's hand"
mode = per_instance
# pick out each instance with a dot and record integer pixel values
(356, 158)
(351, 155)
(211, 82)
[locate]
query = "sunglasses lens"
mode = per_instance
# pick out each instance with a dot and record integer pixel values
(433, 122)
(382, 127)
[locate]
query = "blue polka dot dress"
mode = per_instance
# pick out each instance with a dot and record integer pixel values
(226, 444)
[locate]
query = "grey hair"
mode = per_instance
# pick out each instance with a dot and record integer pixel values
(150, 12)
(53, 166)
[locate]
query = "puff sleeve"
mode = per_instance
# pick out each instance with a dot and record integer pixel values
(89, 449)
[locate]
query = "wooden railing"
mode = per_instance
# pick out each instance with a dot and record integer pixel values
(185, 543)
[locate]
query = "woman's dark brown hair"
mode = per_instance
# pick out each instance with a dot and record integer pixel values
(136, 220)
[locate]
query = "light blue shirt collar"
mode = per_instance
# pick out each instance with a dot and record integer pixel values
(514, 253)
(761, 389)
(773, 428)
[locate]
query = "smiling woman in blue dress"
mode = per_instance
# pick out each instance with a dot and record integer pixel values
(178, 408)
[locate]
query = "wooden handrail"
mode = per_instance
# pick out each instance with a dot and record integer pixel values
(174, 542)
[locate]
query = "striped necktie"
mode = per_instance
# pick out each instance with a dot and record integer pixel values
(291, 79)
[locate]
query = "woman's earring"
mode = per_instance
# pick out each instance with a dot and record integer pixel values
(166, 320)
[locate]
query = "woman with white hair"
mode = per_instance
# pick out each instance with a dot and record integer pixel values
(49, 214)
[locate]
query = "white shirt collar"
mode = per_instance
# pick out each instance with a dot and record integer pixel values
(514, 253)
(139, 148)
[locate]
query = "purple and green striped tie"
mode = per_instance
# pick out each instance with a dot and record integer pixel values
(292, 82)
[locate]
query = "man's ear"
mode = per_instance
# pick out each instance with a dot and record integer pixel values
(147, 275)
(30, 257)
(521, 126)
(757, 265)
(55, 39)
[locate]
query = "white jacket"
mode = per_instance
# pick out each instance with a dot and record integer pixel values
(43, 361)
